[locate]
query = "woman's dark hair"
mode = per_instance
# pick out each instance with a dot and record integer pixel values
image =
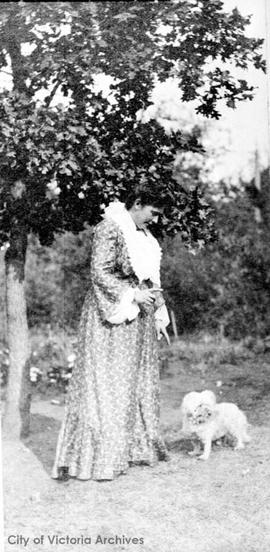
(148, 196)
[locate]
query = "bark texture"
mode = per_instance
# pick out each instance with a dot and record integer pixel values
(17, 409)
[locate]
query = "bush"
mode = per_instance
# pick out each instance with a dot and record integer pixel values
(53, 356)
(57, 279)
(52, 359)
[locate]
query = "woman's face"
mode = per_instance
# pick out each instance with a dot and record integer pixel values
(145, 214)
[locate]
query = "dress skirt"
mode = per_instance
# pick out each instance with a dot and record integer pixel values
(112, 411)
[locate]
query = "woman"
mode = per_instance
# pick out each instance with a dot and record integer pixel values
(112, 411)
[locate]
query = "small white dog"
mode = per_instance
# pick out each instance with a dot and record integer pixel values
(210, 421)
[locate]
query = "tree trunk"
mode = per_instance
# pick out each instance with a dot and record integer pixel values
(3, 313)
(17, 410)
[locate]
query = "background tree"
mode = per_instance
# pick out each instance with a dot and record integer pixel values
(223, 288)
(61, 164)
(57, 278)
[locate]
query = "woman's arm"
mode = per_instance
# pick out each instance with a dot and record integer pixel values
(114, 295)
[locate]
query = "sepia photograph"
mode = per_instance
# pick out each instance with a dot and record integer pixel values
(135, 276)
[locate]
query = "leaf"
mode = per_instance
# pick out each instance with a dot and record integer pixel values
(124, 16)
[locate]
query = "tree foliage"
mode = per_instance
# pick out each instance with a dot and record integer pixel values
(224, 287)
(57, 278)
(61, 164)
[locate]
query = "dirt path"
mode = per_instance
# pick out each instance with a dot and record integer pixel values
(185, 505)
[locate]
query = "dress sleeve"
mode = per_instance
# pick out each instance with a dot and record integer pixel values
(114, 295)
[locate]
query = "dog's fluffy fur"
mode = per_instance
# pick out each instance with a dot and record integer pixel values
(210, 421)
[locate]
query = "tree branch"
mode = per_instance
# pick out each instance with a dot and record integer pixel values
(50, 97)
(7, 72)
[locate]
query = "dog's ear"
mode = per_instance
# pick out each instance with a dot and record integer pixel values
(185, 408)
(186, 401)
(208, 397)
(191, 398)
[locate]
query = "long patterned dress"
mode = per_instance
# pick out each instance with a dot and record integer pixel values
(112, 412)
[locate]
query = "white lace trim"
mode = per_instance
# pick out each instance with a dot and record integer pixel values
(143, 249)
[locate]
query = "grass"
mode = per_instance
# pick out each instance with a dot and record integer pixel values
(221, 505)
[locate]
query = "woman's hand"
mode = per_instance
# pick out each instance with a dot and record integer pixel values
(161, 331)
(144, 296)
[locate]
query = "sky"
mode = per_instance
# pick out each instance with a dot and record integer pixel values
(231, 141)
(247, 127)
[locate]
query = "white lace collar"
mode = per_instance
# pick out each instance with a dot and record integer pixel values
(143, 249)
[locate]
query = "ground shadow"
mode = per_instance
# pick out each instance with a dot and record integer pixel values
(186, 445)
(43, 438)
(180, 445)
